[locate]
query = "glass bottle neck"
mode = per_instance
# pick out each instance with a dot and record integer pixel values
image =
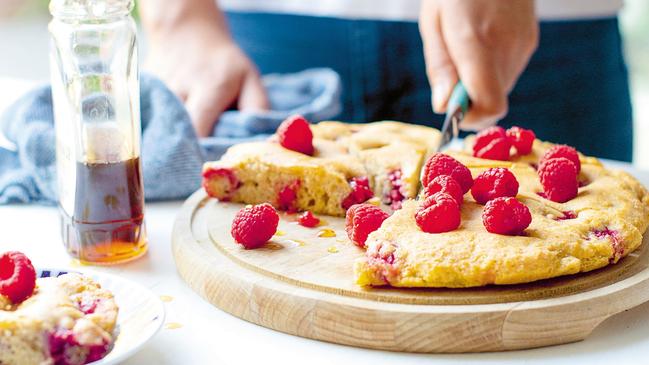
(90, 11)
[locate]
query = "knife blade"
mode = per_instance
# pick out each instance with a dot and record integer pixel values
(457, 107)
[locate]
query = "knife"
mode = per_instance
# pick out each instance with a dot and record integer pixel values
(457, 106)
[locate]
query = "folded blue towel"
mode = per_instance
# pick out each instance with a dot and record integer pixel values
(172, 155)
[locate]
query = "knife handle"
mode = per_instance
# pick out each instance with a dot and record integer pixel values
(459, 98)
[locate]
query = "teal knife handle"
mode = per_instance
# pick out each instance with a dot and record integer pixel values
(459, 97)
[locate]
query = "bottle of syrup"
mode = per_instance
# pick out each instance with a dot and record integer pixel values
(95, 93)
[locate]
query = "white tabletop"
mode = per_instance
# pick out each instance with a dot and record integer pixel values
(211, 336)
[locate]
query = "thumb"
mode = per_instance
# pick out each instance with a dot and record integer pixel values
(440, 70)
(205, 105)
(253, 94)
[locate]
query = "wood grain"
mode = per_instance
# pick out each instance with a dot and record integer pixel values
(297, 284)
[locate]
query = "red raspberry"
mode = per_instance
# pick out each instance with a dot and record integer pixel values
(506, 215)
(494, 183)
(522, 139)
(445, 184)
(360, 192)
(220, 182)
(559, 179)
(441, 164)
(497, 149)
(438, 213)
(295, 134)
(253, 226)
(17, 276)
(361, 220)
(485, 136)
(565, 151)
(287, 196)
(307, 219)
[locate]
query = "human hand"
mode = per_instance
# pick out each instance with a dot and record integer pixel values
(207, 71)
(485, 43)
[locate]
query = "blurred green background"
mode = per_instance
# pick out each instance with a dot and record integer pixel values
(24, 44)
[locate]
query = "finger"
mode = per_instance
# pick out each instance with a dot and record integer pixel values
(253, 95)
(178, 86)
(480, 74)
(440, 70)
(206, 105)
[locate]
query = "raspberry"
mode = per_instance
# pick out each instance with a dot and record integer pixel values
(307, 219)
(287, 196)
(438, 213)
(559, 179)
(494, 183)
(565, 151)
(616, 242)
(220, 182)
(445, 184)
(253, 226)
(361, 220)
(394, 197)
(506, 215)
(17, 276)
(295, 134)
(568, 214)
(484, 137)
(441, 164)
(522, 139)
(66, 349)
(497, 149)
(360, 192)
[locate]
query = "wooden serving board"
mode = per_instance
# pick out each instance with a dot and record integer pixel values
(302, 284)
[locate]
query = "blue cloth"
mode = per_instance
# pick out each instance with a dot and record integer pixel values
(575, 89)
(172, 155)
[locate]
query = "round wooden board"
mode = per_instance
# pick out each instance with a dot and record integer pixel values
(302, 284)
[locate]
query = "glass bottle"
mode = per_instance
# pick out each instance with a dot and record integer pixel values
(95, 93)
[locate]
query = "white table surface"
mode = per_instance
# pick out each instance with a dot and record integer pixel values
(211, 336)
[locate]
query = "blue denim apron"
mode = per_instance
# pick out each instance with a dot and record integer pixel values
(575, 89)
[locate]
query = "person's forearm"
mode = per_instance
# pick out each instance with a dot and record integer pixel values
(160, 17)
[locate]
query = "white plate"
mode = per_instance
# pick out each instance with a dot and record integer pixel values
(140, 317)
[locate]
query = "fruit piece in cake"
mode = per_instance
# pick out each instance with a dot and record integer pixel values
(295, 134)
(442, 164)
(522, 139)
(307, 219)
(559, 179)
(494, 183)
(220, 182)
(505, 215)
(361, 220)
(17, 276)
(445, 184)
(287, 197)
(360, 193)
(562, 151)
(253, 226)
(69, 319)
(438, 213)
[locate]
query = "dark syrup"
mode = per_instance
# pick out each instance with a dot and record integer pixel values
(108, 222)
